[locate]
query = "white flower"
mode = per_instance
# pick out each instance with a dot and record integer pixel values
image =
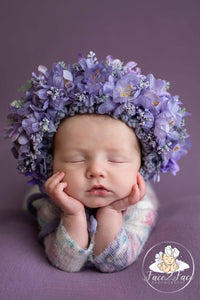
(67, 75)
(42, 69)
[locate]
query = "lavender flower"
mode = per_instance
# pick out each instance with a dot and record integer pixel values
(95, 78)
(126, 89)
(89, 86)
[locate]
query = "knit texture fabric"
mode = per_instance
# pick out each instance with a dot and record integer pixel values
(65, 254)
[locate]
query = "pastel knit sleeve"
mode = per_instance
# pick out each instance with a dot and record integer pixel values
(60, 249)
(63, 252)
(138, 221)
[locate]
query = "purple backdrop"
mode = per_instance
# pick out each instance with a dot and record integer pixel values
(161, 36)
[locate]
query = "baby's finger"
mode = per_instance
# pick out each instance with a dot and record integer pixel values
(138, 191)
(59, 190)
(60, 197)
(53, 181)
(48, 184)
(134, 196)
(121, 204)
(141, 185)
(49, 180)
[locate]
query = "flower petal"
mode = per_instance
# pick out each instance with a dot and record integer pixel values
(107, 106)
(67, 75)
(42, 69)
(23, 139)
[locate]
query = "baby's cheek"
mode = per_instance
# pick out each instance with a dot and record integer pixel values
(130, 178)
(74, 182)
(126, 184)
(71, 188)
(69, 173)
(58, 166)
(69, 178)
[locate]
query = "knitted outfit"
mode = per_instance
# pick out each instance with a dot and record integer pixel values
(66, 255)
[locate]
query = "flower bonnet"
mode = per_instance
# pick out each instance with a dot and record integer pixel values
(92, 87)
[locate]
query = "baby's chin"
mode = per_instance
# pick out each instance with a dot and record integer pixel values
(99, 202)
(96, 206)
(96, 202)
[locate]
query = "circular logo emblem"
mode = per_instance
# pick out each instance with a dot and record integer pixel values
(168, 267)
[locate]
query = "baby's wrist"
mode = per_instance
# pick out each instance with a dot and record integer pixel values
(74, 222)
(76, 227)
(108, 213)
(74, 216)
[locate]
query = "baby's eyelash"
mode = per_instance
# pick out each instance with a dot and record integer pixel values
(76, 161)
(120, 161)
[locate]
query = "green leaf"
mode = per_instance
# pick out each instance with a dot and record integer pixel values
(25, 87)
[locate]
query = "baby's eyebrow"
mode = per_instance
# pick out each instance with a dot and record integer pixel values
(85, 152)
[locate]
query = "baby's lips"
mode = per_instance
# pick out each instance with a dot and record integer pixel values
(98, 187)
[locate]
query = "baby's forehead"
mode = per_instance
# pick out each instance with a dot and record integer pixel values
(94, 118)
(105, 122)
(102, 123)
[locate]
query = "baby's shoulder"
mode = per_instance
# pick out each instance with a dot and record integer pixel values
(41, 203)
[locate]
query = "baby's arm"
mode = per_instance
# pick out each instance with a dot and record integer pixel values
(74, 218)
(128, 243)
(67, 247)
(63, 252)
(110, 218)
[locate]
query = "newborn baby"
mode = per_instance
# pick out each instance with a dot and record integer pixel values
(91, 135)
(96, 164)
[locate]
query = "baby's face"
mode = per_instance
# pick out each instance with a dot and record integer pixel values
(100, 157)
(169, 260)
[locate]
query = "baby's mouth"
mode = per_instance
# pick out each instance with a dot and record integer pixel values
(98, 190)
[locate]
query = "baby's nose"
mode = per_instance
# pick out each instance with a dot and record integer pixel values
(96, 169)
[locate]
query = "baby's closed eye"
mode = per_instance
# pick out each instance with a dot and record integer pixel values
(117, 159)
(74, 159)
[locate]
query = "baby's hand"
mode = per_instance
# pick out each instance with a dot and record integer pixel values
(110, 218)
(74, 219)
(54, 187)
(137, 193)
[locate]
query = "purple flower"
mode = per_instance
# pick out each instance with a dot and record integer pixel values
(42, 69)
(109, 86)
(171, 166)
(166, 125)
(31, 124)
(161, 128)
(126, 89)
(157, 85)
(107, 106)
(19, 136)
(42, 94)
(147, 120)
(150, 100)
(88, 86)
(172, 108)
(88, 63)
(23, 139)
(130, 65)
(95, 78)
(57, 76)
(117, 65)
